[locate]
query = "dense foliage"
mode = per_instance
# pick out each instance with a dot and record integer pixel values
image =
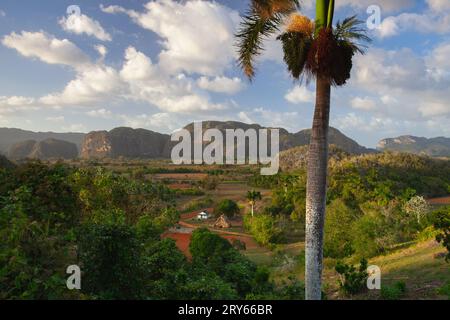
(374, 202)
(54, 216)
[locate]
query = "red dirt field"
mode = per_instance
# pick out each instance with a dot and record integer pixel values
(183, 239)
(180, 176)
(442, 200)
(179, 186)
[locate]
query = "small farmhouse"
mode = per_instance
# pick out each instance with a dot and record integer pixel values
(204, 215)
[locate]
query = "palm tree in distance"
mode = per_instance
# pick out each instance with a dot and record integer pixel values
(312, 50)
(252, 197)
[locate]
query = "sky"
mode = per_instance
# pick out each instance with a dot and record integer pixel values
(164, 63)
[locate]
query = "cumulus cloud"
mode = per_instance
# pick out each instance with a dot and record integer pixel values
(57, 119)
(91, 85)
(82, 24)
(299, 94)
(439, 5)
(385, 5)
(102, 50)
(169, 93)
(221, 84)
(100, 113)
(434, 20)
(206, 50)
(161, 122)
(46, 48)
(409, 86)
(363, 103)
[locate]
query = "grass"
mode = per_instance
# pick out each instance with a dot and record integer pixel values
(420, 266)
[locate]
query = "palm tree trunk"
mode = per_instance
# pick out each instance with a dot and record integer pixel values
(316, 190)
(252, 209)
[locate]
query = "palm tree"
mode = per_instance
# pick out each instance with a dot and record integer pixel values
(252, 197)
(312, 49)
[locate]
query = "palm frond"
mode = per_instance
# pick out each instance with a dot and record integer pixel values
(261, 21)
(296, 46)
(250, 38)
(351, 30)
(267, 8)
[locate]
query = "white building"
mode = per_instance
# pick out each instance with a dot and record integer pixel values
(204, 215)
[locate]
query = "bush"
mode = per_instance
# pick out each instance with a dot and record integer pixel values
(227, 207)
(263, 228)
(442, 224)
(352, 280)
(110, 260)
(394, 292)
(337, 238)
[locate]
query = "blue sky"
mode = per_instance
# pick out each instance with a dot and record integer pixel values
(161, 64)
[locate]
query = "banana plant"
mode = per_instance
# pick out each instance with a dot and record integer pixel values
(313, 49)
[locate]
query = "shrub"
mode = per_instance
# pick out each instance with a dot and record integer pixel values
(352, 280)
(442, 224)
(263, 228)
(394, 292)
(227, 207)
(337, 238)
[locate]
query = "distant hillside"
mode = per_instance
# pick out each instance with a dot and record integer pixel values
(290, 140)
(11, 136)
(125, 142)
(296, 158)
(44, 150)
(434, 147)
(142, 143)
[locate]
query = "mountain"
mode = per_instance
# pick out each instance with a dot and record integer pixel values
(290, 140)
(434, 147)
(296, 158)
(139, 143)
(10, 136)
(44, 150)
(125, 142)
(336, 138)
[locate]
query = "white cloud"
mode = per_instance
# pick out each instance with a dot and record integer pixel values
(82, 24)
(94, 84)
(56, 119)
(439, 5)
(434, 109)
(76, 127)
(100, 113)
(428, 22)
(439, 57)
(221, 84)
(46, 48)
(2, 13)
(15, 101)
(137, 66)
(169, 93)
(269, 118)
(385, 5)
(102, 50)
(207, 50)
(161, 122)
(410, 87)
(363, 103)
(299, 94)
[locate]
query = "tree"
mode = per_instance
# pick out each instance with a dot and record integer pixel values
(252, 197)
(227, 207)
(311, 50)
